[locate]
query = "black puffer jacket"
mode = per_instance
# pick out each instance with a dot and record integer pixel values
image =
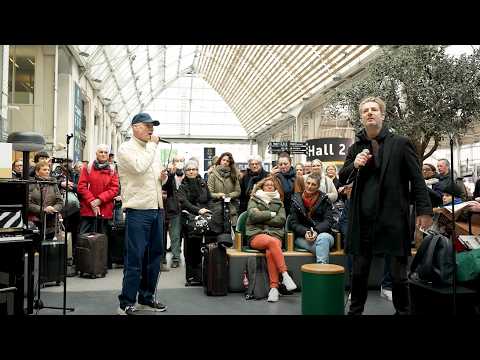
(321, 220)
(246, 185)
(193, 194)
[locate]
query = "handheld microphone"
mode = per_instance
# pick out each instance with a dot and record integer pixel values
(366, 152)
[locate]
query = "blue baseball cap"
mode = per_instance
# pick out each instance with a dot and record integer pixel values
(144, 118)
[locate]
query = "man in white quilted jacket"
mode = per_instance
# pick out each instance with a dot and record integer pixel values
(142, 177)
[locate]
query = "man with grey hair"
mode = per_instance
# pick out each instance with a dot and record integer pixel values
(142, 177)
(444, 185)
(254, 174)
(378, 215)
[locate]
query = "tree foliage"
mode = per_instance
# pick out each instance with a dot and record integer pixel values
(429, 95)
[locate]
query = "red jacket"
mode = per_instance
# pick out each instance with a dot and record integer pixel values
(101, 184)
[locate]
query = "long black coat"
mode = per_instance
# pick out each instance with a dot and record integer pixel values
(399, 168)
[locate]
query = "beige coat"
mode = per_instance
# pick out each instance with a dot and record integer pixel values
(139, 169)
(229, 186)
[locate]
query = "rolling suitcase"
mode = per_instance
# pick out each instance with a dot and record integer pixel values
(215, 270)
(92, 254)
(52, 258)
(116, 242)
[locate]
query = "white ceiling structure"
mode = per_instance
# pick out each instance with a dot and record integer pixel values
(260, 83)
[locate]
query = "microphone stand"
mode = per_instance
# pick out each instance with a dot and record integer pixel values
(38, 304)
(65, 254)
(454, 260)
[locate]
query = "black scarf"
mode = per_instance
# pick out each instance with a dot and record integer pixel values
(194, 187)
(224, 171)
(100, 166)
(287, 180)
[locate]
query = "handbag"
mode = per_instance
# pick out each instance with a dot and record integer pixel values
(71, 206)
(197, 224)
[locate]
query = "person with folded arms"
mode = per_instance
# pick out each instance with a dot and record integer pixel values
(265, 227)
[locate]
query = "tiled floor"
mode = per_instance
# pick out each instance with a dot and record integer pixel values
(100, 297)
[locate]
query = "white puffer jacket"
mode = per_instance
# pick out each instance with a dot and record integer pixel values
(139, 169)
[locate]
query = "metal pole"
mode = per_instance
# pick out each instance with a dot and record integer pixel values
(454, 282)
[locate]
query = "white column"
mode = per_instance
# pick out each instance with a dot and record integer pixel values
(4, 52)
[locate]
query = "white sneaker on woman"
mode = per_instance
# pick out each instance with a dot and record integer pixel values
(273, 295)
(288, 282)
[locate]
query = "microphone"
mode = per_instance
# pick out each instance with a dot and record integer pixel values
(366, 152)
(164, 141)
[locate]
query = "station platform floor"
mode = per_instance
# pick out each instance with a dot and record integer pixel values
(100, 297)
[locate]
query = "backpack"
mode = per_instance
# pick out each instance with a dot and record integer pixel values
(255, 278)
(433, 261)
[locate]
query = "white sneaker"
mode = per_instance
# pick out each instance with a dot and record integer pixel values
(386, 293)
(273, 295)
(288, 282)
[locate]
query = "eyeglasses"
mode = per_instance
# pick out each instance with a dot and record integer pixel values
(191, 169)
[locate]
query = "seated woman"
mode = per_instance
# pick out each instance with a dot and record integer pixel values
(46, 197)
(311, 219)
(193, 195)
(265, 226)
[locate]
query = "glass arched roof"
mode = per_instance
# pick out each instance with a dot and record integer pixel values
(259, 83)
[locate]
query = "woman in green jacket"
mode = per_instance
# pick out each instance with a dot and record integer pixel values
(265, 227)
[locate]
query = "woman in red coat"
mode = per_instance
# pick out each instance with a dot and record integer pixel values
(97, 186)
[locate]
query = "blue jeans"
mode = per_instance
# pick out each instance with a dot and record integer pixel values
(320, 247)
(143, 251)
(175, 232)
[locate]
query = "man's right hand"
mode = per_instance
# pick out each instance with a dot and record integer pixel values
(361, 159)
(154, 138)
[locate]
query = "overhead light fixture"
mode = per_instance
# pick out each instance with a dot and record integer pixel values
(84, 54)
(113, 113)
(284, 111)
(97, 80)
(107, 99)
(337, 77)
(306, 97)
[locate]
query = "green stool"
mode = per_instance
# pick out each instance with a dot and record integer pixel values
(323, 289)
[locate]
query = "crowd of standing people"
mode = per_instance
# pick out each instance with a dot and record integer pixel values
(366, 201)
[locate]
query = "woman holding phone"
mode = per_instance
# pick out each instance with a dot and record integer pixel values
(311, 219)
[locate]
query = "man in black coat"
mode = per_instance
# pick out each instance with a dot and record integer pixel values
(378, 221)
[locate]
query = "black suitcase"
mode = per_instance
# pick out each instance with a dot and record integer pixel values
(92, 254)
(215, 270)
(116, 243)
(52, 255)
(52, 262)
